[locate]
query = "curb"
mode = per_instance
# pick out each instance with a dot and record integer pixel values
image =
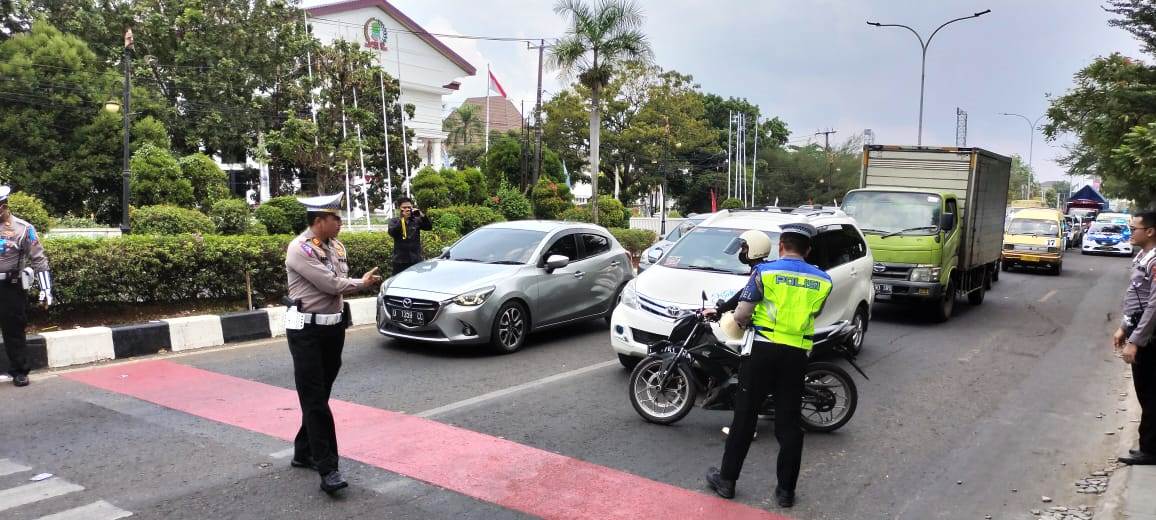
(93, 344)
(1114, 504)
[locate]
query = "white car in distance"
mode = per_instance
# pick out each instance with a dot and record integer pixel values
(650, 304)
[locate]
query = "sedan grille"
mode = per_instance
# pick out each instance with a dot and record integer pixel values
(411, 303)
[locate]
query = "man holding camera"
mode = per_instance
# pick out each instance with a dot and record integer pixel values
(21, 260)
(406, 232)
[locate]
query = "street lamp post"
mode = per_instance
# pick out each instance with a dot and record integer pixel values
(923, 63)
(1031, 143)
(126, 173)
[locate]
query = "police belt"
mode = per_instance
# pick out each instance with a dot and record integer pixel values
(769, 330)
(321, 319)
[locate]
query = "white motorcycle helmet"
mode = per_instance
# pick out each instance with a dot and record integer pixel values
(758, 246)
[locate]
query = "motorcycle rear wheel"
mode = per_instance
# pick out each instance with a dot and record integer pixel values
(830, 397)
(665, 405)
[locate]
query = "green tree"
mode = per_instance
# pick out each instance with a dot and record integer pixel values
(479, 191)
(210, 183)
(465, 125)
(504, 162)
(551, 199)
(597, 39)
(1021, 176)
(459, 188)
(566, 128)
(157, 179)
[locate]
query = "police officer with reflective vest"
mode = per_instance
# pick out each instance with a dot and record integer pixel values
(21, 260)
(780, 302)
(317, 267)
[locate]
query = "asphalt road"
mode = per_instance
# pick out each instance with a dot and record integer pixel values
(956, 416)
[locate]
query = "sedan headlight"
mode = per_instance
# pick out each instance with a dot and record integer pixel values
(475, 297)
(925, 273)
(629, 296)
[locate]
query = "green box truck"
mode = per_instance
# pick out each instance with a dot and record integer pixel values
(934, 220)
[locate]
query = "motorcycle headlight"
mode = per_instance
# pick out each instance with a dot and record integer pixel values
(925, 273)
(629, 296)
(475, 297)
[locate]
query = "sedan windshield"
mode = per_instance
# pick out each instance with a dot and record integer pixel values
(1107, 228)
(884, 212)
(497, 246)
(702, 250)
(1033, 226)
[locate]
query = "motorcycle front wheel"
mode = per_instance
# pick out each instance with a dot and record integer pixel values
(829, 397)
(665, 405)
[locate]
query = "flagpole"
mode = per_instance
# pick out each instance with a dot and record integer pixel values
(488, 80)
(401, 112)
(348, 203)
(385, 128)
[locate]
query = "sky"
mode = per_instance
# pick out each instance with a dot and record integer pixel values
(817, 64)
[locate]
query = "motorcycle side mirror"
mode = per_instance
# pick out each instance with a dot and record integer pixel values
(704, 299)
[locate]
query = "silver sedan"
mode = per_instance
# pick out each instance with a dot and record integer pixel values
(503, 281)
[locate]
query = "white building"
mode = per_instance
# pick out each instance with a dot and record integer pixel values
(426, 68)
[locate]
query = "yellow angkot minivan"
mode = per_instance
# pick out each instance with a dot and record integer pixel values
(1034, 237)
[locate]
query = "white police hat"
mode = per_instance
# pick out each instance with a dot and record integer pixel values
(800, 228)
(323, 203)
(4, 192)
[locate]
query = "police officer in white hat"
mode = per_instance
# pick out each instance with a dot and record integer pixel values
(318, 270)
(21, 260)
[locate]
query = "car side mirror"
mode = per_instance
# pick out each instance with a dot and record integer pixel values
(445, 252)
(947, 221)
(654, 255)
(556, 262)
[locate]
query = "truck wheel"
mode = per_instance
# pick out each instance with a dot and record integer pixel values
(942, 311)
(976, 297)
(1004, 266)
(995, 271)
(988, 275)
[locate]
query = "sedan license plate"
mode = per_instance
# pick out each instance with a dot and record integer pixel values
(882, 289)
(1030, 258)
(408, 317)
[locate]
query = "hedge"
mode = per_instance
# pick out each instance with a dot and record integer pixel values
(170, 220)
(471, 217)
(182, 268)
(634, 240)
(231, 216)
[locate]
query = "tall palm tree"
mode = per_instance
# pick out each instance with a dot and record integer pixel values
(464, 123)
(599, 38)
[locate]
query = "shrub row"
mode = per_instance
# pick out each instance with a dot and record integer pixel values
(634, 240)
(179, 268)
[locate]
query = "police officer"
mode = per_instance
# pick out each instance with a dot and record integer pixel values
(781, 300)
(20, 255)
(1134, 335)
(318, 269)
(406, 232)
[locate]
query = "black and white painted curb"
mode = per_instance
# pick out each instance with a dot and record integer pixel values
(93, 344)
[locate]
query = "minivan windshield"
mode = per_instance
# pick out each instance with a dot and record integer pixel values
(1034, 226)
(883, 212)
(702, 250)
(497, 246)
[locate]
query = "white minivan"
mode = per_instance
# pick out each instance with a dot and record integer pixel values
(650, 304)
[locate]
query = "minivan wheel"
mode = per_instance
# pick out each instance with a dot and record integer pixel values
(859, 321)
(510, 328)
(628, 361)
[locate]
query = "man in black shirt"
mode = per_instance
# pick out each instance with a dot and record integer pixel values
(406, 232)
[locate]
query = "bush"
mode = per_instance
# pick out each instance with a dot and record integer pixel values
(71, 222)
(611, 212)
(231, 216)
(673, 214)
(477, 182)
(731, 204)
(29, 208)
(576, 214)
(157, 179)
(294, 211)
(429, 189)
(169, 220)
(459, 189)
(255, 227)
(274, 219)
(472, 217)
(446, 220)
(634, 240)
(511, 203)
(210, 183)
(144, 269)
(551, 199)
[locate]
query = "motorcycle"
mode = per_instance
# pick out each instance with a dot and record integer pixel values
(665, 385)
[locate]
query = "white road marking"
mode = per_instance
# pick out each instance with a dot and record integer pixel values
(1047, 296)
(29, 493)
(514, 389)
(99, 510)
(8, 467)
(283, 454)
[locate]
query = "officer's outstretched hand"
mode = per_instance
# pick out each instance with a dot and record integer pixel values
(45, 299)
(370, 278)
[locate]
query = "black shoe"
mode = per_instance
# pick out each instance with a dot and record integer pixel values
(299, 463)
(722, 487)
(785, 498)
(1135, 453)
(20, 380)
(332, 482)
(1138, 459)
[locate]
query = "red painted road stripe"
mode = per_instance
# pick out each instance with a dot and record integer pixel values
(487, 468)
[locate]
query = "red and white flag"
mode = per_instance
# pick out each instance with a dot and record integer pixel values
(495, 86)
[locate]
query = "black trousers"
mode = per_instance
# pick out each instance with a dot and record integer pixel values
(777, 368)
(401, 266)
(316, 351)
(13, 322)
(1144, 380)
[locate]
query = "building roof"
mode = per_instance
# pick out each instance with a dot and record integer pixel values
(393, 12)
(504, 116)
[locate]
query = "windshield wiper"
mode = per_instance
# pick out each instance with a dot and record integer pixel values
(465, 259)
(901, 231)
(710, 269)
(506, 262)
(870, 230)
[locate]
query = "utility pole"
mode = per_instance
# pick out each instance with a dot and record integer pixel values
(126, 172)
(538, 113)
(827, 146)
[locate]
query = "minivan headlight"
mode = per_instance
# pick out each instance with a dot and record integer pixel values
(629, 296)
(475, 297)
(925, 273)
